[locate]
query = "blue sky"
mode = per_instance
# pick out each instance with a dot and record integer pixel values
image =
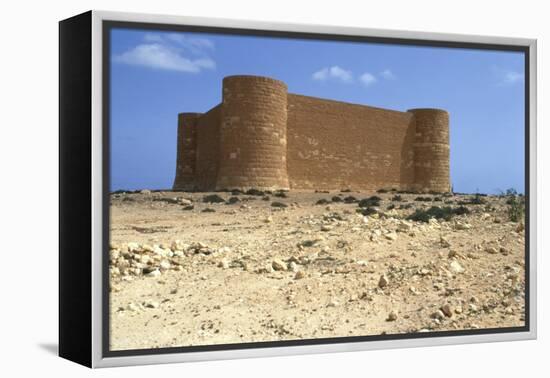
(156, 75)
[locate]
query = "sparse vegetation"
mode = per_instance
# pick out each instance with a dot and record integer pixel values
(371, 201)
(476, 200)
(397, 198)
(445, 213)
(255, 192)
(516, 205)
(233, 200)
(423, 199)
(213, 198)
(350, 199)
(367, 211)
(382, 190)
(281, 194)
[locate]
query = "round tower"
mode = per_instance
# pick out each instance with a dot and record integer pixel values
(253, 141)
(431, 150)
(186, 152)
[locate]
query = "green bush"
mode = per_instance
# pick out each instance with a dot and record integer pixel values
(423, 199)
(516, 208)
(369, 202)
(213, 198)
(437, 212)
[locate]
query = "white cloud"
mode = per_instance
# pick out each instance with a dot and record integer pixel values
(507, 77)
(367, 79)
(172, 51)
(511, 77)
(388, 74)
(335, 72)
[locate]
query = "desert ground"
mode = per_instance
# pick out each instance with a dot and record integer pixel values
(220, 268)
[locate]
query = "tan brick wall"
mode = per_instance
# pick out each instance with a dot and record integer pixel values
(208, 148)
(336, 145)
(261, 137)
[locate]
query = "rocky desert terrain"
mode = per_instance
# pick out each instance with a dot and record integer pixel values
(231, 267)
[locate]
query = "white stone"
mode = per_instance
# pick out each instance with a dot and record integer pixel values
(456, 267)
(154, 273)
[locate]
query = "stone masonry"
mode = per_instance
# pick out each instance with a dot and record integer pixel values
(263, 137)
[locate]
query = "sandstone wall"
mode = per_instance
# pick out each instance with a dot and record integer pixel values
(208, 149)
(262, 137)
(335, 145)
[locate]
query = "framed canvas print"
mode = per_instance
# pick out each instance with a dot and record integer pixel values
(233, 189)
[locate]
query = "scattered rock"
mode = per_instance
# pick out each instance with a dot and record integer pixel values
(490, 249)
(447, 310)
(455, 267)
(444, 242)
(151, 304)
(209, 210)
(439, 315)
(391, 236)
(278, 265)
(462, 226)
(224, 263)
(132, 307)
(383, 281)
(392, 316)
(299, 275)
(153, 273)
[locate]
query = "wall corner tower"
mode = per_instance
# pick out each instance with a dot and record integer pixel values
(253, 134)
(431, 150)
(186, 161)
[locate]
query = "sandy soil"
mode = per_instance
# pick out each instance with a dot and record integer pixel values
(250, 271)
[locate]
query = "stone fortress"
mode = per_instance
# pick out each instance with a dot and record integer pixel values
(263, 137)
